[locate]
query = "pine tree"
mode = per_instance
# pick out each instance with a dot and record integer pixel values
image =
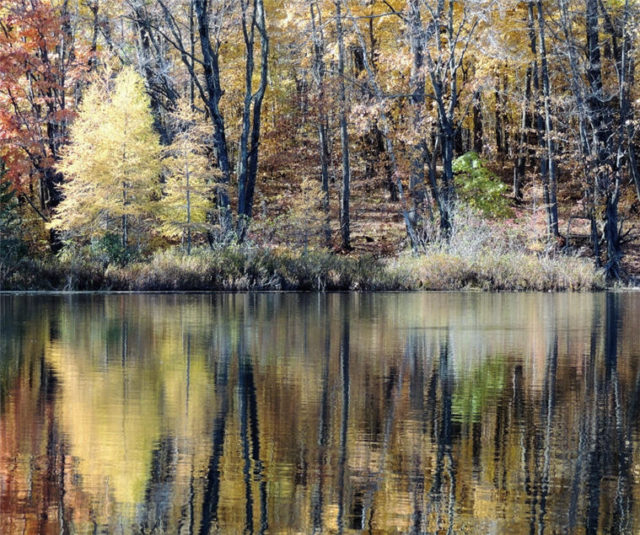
(184, 208)
(112, 163)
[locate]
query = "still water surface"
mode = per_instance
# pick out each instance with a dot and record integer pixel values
(302, 413)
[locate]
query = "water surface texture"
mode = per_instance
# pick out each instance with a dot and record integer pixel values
(303, 413)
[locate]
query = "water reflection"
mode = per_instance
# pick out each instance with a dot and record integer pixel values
(416, 413)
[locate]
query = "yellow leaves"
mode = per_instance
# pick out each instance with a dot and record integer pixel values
(114, 407)
(364, 117)
(113, 161)
(305, 217)
(189, 176)
(615, 4)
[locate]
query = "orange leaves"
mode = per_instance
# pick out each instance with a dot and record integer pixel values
(38, 70)
(63, 115)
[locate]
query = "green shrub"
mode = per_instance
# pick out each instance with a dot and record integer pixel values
(109, 250)
(479, 187)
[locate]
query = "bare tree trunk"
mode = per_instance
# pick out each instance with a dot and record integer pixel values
(633, 162)
(633, 167)
(345, 222)
(153, 64)
(323, 122)
(504, 109)
(477, 123)
(443, 74)
(447, 192)
(578, 89)
(537, 117)
(187, 178)
(373, 145)
(192, 51)
(525, 126)
(432, 156)
(211, 69)
(248, 157)
(498, 116)
(125, 226)
(417, 85)
(612, 229)
(550, 172)
(607, 186)
(94, 7)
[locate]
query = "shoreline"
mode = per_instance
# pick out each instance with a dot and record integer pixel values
(257, 269)
(62, 293)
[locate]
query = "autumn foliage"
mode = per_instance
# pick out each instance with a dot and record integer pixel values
(326, 124)
(42, 68)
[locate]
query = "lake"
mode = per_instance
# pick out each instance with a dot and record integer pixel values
(301, 413)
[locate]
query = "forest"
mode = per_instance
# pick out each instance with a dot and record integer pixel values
(319, 144)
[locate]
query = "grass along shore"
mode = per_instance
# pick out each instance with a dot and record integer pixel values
(241, 268)
(478, 254)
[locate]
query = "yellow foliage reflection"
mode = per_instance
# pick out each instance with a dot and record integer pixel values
(302, 413)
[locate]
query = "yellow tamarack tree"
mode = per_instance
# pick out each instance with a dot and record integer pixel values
(112, 163)
(188, 190)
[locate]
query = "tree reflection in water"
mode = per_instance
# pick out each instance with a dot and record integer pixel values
(420, 413)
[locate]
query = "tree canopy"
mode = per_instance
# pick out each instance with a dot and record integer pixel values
(373, 100)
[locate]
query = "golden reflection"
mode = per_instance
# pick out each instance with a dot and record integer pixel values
(305, 413)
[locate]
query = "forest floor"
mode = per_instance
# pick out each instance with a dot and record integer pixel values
(377, 226)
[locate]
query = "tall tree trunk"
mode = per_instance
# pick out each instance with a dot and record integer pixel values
(633, 167)
(390, 180)
(633, 161)
(578, 89)
(192, 51)
(125, 225)
(323, 122)
(447, 191)
(535, 77)
(548, 162)
(607, 180)
(211, 70)
(345, 222)
(504, 105)
(443, 75)
(498, 116)
(325, 157)
(417, 85)
(248, 157)
(160, 87)
(477, 122)
(371, 140)
(94, 7)
(187, 178)
(624, 70)
(525, 126)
